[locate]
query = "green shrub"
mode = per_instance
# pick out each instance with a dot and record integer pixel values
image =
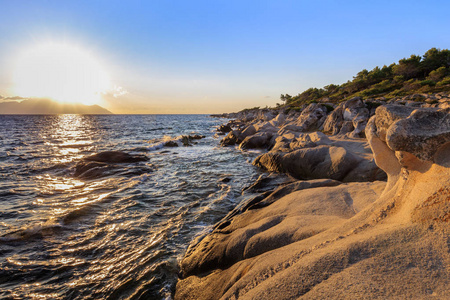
(397, 93)
(437, 74)
(427, 82)
(444, 81)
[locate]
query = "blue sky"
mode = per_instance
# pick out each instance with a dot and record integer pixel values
(220, 56)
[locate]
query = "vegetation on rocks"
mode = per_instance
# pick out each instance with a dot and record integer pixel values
(425, 74)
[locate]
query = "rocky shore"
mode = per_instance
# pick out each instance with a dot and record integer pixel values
(362, 211)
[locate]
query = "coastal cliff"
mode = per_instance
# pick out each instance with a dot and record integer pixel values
(365, 213)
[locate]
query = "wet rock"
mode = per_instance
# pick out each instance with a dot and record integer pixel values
(231, 139)
(171, 144)
(195, 137)
(115, 157)
(108, 163)
(87, 170)
(225, 180)
(224, 128)
(237, 136)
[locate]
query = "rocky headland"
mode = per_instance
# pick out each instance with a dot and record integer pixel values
(355, 204)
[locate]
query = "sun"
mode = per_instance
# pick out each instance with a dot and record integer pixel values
(63, 72)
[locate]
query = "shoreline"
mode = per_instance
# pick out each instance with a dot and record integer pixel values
(333, 216)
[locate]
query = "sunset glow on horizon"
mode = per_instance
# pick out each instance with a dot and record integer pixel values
(189, 57)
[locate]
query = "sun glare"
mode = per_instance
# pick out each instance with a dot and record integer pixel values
(62, 72)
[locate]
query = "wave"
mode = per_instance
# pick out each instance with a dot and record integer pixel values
(32, 232)
(168, 141)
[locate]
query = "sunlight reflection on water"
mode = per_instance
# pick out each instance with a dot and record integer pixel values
(114, 236)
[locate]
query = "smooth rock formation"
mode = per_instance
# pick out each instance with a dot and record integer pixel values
(259, 140)
(421, 134)
(351, 241)
(314, 156)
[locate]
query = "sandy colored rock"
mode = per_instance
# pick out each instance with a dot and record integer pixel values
(312, 117)
(351, 241)
(259, 140)
(421, 134)
(316, 156)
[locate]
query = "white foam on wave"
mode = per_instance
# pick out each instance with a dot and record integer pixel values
(156, 146)
(166, 139)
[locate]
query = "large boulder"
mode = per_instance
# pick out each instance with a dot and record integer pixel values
(312, 117)
(248, 131)
(359, 122)
(259, 140)
(310, 163)
(349, 118)
(334, 120)
(231, 139)
(422, 133)
(110, 163)
(278, 120)
(388, 114)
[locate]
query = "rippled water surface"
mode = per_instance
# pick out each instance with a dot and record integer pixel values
(117, 236)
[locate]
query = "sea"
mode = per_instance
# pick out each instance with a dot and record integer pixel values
(118, 235)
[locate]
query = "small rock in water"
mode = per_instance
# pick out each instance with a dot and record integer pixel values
(103, 163)
(224, 128)
(171, 144)
(115, 157)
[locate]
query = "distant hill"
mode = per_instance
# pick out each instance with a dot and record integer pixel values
(47, 106)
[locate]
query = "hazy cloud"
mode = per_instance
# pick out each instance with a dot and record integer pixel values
(119, 91)
(12, 98)
(116, 92)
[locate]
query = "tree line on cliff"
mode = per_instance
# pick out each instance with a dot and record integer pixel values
(429, 73)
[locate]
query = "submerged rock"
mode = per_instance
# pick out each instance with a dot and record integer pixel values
(115, 157)
(108, 163)
(224, 128)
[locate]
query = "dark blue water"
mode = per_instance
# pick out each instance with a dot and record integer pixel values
(118, 236)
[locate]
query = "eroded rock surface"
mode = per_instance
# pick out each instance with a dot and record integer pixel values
(358, 240)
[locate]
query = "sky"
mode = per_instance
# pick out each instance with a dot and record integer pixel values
(217, 56)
